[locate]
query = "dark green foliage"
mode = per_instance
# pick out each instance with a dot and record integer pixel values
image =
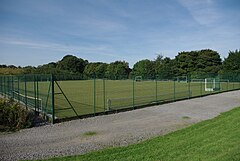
(72, 64)
(198, 62)
(206, 63)
(164, 68)
(144, 68)
(117, 70)
(95, 70)
(13, 116)
(231, 66)
(232, 62)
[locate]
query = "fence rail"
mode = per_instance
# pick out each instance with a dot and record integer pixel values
(59, 99)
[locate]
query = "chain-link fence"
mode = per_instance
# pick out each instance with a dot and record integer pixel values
(32, 91)
(67, 97)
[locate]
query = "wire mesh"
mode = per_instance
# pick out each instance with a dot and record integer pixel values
(61, 97)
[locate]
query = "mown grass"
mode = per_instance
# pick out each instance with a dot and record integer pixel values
(120, 92)
(86, 99)
(217, 139)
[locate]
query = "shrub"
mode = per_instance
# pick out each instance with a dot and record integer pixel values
(13, 116)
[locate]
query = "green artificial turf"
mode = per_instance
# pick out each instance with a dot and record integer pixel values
(89, 96)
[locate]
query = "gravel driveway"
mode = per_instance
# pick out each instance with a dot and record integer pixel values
(69, 138)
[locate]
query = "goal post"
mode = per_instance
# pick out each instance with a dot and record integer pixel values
(212, 84)
(182, 79)
(138, 78)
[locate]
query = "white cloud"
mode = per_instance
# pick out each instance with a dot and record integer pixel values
(203, 12)
(100, 50)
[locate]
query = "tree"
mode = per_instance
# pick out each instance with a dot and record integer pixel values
(101, 70)
(164, 68)
(232, 62)
(231, 66)
(95, 70)
(118, 70)
(198, 62)
(72, 64)
(144, 68)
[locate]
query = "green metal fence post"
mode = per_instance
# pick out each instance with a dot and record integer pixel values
(53, 101)
(227, 84)
(4, 86)
(156, 91)
(174, 90)
(0, 84)
(201, 88)
(133, 101)
(25, 90)
(189, 89)
(12, 89)
(94, 96)
(104, 96)
(1, 91)
(38, 95)
(8, 86)
(18, 89)
(35, 95)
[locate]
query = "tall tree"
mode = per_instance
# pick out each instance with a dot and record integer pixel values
(72, 63)
(198, 62)
(232, 62)
(231, 66)
(118, 70)
(164, 68)
(95, 70)
(144, 68)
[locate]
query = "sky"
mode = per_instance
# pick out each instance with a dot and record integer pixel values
(36, 32)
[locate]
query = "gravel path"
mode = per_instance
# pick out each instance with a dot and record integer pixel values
(124, 128)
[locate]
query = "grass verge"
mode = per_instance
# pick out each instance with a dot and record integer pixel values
(217, 139)
(90, 133)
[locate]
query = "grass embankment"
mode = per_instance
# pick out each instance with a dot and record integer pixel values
(217, 139)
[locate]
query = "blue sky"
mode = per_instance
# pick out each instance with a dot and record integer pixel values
(36, 32)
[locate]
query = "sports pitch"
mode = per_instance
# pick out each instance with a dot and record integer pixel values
(94, 96)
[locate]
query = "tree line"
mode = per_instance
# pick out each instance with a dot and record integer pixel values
(194, 63)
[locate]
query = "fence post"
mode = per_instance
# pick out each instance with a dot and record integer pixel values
(189, 89)
(37, 92)
(18, 90)
(201, 88)
(94, 96)
(35, 100)
(1, 91)
(4, 87)
(12, 87)
(25, 91)
(8, 86)
(174, 90)
(156, 91)
(227, 84)
(1, 84)
(104, 96)
(53, 101)
(133, 95)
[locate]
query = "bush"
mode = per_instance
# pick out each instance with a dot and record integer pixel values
(13, 116)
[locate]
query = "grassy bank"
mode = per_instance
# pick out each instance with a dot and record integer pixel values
(216, 139)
